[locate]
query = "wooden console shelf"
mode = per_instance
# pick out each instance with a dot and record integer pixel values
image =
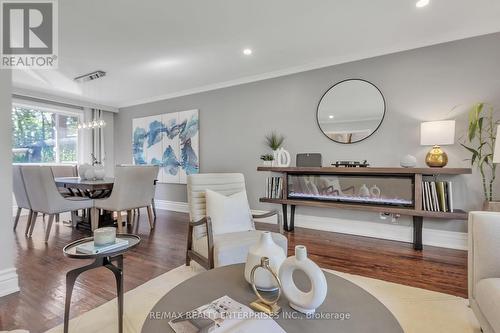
(416, 211)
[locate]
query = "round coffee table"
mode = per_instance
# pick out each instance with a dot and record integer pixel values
(103, 259)
(366, 313)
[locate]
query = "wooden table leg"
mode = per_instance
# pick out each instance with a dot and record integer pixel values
(418, 223)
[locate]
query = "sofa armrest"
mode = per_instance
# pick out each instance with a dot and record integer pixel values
(270, 214)
(484, 248)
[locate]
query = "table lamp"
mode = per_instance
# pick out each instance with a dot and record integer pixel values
(436, 133)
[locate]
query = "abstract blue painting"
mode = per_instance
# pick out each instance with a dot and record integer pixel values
(170, 141)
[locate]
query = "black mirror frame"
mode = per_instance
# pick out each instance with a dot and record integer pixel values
(336, 84)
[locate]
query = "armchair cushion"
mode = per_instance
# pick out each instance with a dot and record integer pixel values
(488, 301)
(232, 248)
(229, 213)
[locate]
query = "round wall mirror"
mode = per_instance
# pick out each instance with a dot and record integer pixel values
(351, 111)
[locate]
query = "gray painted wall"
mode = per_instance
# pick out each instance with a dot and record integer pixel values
(418, 85)
(8, 276)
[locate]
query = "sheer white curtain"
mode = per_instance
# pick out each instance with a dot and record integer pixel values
(98, 141)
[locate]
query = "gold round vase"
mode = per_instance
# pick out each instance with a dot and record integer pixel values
(436, 157)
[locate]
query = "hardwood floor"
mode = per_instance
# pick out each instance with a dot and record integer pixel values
(42, 267)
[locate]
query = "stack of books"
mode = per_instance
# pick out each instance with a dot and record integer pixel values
(437, 196)
(274, 187)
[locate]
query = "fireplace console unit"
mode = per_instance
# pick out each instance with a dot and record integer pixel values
(383, 190)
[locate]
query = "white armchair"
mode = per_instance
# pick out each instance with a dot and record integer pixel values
(133, 188)
(484, 269)
(211, 250)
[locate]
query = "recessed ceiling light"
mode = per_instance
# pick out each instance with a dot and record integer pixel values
(330, 116)
(247, 51)
(422, 3)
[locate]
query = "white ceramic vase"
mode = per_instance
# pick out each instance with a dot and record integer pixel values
(265, 247)
(82, 169)
(99, 172)
(305, 302)
(90, 173)
(281, 158)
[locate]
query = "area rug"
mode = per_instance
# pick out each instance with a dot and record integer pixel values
(417, 310)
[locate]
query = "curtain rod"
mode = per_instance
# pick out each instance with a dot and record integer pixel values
(47, 101)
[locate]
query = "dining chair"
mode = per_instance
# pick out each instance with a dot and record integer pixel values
(131, 213)
(133, 188)
(64, 170)
(21, 197)
(211, 250)
(45, 197)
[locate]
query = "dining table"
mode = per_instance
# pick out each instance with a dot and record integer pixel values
(90, 188)
(87, 188)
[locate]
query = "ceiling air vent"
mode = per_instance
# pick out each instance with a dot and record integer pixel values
(90, 76)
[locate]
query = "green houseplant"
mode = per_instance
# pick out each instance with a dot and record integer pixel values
(480, 142)
(274, 140)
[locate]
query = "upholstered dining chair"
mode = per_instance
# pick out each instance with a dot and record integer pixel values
(211, 250)
(21, 196)
(45, 198)
(133, 188)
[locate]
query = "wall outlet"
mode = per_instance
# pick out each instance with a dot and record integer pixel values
(394, 218)
(384, 216)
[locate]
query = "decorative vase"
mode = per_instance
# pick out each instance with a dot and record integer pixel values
(491, 206)
(82, 168)
(99, 172)
(281, 158)
(90, 173)
(305, 302)
(265, 247)
(364, 191)
(408, 161)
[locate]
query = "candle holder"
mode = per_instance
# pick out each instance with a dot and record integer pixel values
(262, 304)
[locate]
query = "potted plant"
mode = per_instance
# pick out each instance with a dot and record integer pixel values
(267, 159)
(280, 156)
(480, 142)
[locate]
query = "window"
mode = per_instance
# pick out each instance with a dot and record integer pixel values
(43, 136)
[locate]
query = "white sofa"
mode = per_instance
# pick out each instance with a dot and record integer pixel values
(484, 269)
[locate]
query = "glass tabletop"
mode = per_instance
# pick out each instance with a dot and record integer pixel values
(70, 250)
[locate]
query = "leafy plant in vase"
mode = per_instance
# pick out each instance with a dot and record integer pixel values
(280, 156)
(480, 142)
(267, 159)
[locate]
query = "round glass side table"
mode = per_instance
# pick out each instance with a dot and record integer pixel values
(102, 259)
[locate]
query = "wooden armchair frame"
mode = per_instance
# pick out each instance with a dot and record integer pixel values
(208, 263)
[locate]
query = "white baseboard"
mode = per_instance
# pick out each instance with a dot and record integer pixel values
(174, 206)
(8, 282)
(402, 233)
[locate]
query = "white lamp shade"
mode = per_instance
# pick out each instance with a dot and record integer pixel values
(437, 133)
(496, 152)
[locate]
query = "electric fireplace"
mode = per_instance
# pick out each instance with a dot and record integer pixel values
(387, 190)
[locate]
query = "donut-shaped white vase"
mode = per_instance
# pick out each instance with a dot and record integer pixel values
(305, 302)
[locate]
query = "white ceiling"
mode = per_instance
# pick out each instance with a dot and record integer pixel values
(157, 49)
